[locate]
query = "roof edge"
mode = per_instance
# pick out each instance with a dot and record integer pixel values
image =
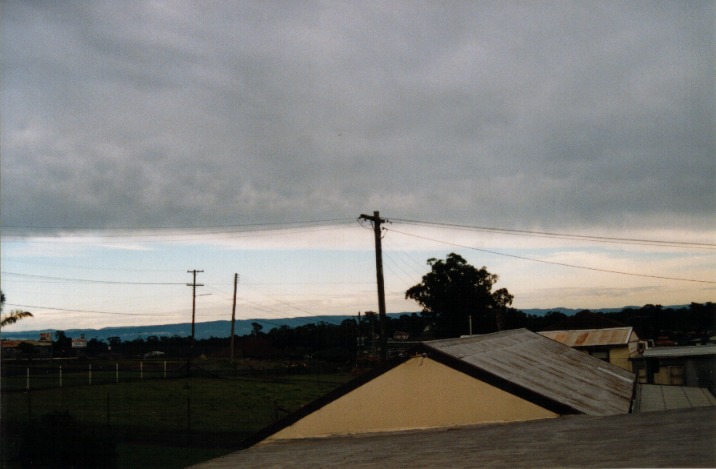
(320, 402)
(497, 381)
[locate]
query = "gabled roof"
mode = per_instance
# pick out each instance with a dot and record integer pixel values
(539, 370)
(528, 362)
(592, 337)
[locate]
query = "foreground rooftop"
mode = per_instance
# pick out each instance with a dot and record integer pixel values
(676, 438)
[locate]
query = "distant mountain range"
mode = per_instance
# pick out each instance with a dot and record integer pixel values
(206, 330)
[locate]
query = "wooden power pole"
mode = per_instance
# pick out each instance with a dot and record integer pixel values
(233, 316)
(193, 301)
(376, 220)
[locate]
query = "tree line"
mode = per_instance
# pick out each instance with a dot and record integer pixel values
(456, 298)
(351, 340)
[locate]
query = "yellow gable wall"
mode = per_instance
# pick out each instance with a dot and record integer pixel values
(420, 393)
(619, 356)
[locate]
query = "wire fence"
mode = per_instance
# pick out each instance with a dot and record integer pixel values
(18, 377)
(161, 403)
(25, 377)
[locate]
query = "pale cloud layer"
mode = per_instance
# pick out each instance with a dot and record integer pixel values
(560, 115)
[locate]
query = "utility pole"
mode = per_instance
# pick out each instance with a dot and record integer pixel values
(379, 274)
(233, 316)
(193, 302)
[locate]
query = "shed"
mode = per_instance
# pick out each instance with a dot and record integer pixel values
(615, 344)
(507, 376)
(693, 366)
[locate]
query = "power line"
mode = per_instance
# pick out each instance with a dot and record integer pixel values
(547, 234)
(77, 310)
(273, 311)
(66, 279)
(84, 280)
(184, 237)
(594, 269)
(290, 305)
(208, 229)
(86, 267)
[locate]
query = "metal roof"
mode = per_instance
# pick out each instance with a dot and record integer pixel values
(547, 368)
(655, 397)
(591, 337)
(689, 351)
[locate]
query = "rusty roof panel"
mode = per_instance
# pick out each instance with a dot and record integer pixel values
(592, 337)
(546, 367)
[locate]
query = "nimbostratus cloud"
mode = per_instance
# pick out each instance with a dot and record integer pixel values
(558, 115)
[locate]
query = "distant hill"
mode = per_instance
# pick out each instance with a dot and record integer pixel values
(202, 330)
(206, 330)
(573, 311)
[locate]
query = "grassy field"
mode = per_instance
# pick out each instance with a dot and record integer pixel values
(166, 422)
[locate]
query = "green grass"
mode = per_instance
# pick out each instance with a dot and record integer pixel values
(132, 456)
(169, 422)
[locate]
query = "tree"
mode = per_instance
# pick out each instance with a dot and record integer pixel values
(62, 344)
(13, 317)
(453, 291)
(256, 329)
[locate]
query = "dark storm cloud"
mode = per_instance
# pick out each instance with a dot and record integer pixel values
(553, 114)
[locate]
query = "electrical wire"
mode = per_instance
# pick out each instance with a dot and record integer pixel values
(178, 230)
(84, 311)
(564, 236)
(82, 280)
(562, 264)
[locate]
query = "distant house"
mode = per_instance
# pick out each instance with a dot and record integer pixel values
(678, 366)
(508, 376)
(616, 345)
(25, 348)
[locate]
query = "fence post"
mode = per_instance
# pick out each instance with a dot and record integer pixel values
(90, 374)
(141, 371)
(188, 420)
(60, 376)
(165, 369)
(27, 381)
(116, 372)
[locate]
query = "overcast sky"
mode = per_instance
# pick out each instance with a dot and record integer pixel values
(576, 117)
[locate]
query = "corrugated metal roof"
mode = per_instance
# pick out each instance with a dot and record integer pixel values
(690, 351)
(655, 397)
(546, 367)
(591, 337)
